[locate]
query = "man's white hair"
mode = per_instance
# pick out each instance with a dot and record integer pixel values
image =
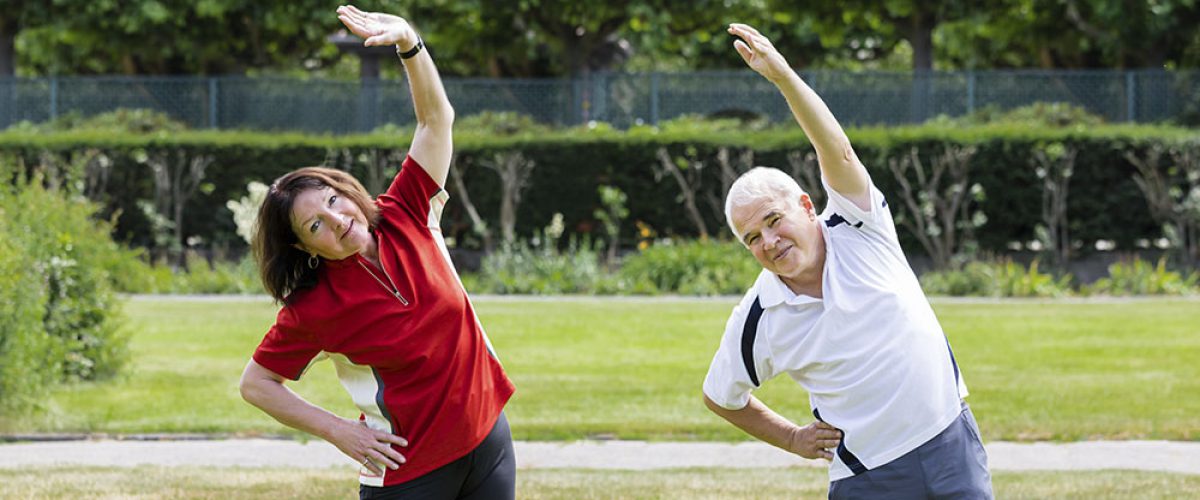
(757, 184)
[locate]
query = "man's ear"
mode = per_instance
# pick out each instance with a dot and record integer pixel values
(807, 204)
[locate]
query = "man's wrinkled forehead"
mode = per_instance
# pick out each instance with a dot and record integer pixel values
(745, 216)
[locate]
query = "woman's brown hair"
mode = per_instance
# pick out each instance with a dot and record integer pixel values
(283, 267)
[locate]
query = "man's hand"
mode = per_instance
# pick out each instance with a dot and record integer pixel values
(377, 28)
(815, 440)
(759, 54)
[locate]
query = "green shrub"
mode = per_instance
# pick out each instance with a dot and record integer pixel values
(121, 120)
(198, 277)
(975, 279)
(540, 269)
(503, 123)
(538, 266)
(1004, 278)
(59, 261)
(1038, 114)
(239, 277)
(1139, 277)
(695, 267)
(24, 346)
(720, 123)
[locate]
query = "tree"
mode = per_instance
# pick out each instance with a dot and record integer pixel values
(524, 38)
(515, 171)
(854, 22)
(14, 15)
(1170, 180)
(545, 38)
(8, 32)
(1054, 164)
(939, 203)
(167, 37)
(1135, 34)
(1074, 34)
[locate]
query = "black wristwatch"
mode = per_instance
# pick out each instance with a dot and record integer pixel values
(410, 53)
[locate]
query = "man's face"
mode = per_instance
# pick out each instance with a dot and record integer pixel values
(329, 224)
(782, 234)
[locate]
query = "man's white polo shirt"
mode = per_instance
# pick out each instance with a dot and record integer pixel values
(871, 353)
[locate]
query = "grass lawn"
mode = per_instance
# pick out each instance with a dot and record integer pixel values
(633, 369)
(222, 483)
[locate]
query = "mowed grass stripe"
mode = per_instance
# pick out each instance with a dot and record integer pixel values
(633, 370)
(691, 484)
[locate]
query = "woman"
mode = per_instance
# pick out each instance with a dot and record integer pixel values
(370, 285)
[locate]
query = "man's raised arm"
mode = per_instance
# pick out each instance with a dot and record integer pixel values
(839, 164)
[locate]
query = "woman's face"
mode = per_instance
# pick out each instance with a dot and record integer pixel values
(329, 224)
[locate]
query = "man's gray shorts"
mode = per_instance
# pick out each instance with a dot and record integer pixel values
(951, 465)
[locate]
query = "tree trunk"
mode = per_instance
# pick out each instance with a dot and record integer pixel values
(687, 189)
(920, 36)
(8, 33)
(477, 223)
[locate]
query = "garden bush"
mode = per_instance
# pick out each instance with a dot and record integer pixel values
(538, 266)
(696, 267)
(24, 345)
(121, 120)
(1139, 277)
(1038, 114)
(198, 276)
(1003, 278)
(59, 263)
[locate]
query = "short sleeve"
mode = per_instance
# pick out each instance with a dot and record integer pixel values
(287, 349)
(413, 195)
(841, 210)
(728, 382)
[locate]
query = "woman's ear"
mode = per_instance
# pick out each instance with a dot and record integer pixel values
(300, 246)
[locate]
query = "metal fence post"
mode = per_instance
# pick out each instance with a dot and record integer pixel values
(53, 97)
(7, 98)
(212, 102)
(599, 97)
(581, 102)
(654, 98)
(918, 104)
(1130, 96)
(970, 92)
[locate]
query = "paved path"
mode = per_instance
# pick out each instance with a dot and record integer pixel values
(1172, 456)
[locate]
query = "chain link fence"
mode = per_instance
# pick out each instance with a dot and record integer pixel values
(622, 99)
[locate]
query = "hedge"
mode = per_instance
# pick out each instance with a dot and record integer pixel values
(1104, 201)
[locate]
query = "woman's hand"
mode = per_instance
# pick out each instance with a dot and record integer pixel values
(377, 28)
(370, 448)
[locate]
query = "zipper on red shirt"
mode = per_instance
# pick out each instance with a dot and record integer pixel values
(394, 290)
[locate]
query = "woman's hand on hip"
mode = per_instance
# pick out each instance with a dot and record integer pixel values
(369, 447)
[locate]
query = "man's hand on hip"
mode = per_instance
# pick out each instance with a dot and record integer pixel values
(815, 440)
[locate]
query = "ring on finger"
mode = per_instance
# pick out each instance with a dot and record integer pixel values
(366, 461)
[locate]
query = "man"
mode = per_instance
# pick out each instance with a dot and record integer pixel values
(839, 310)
